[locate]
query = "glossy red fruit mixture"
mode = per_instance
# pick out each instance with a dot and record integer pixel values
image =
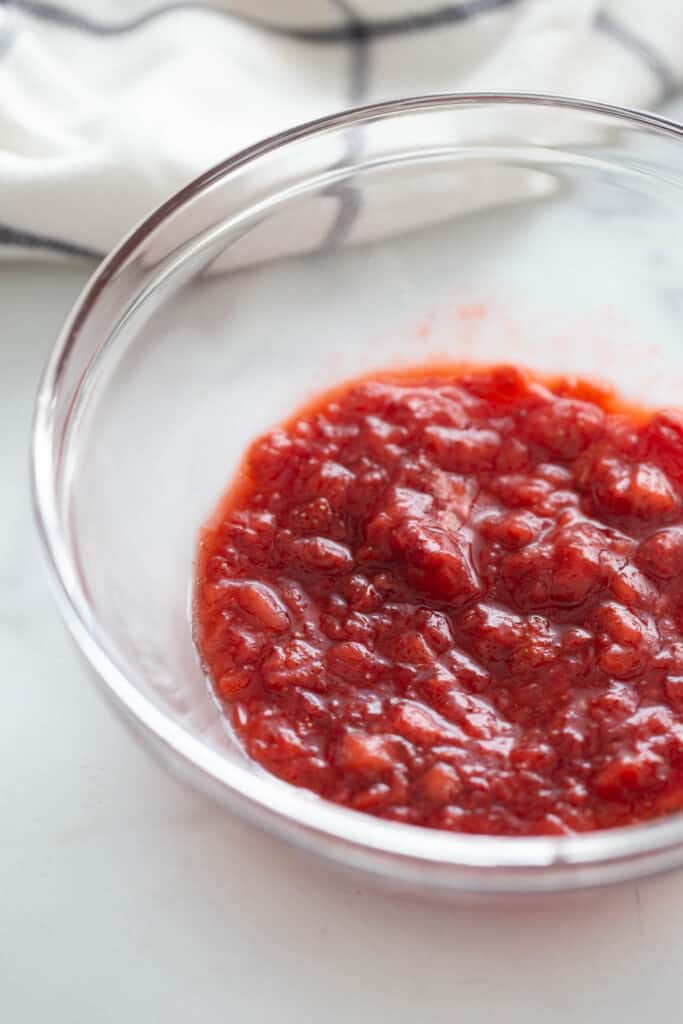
(455, 598)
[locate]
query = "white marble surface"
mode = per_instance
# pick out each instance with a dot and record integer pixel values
(128, 898)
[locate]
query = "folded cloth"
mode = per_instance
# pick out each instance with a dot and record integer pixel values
(109, 106)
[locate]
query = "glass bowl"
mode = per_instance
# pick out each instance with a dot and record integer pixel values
(451, 228)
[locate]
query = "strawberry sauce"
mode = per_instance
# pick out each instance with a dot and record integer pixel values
(454, 597)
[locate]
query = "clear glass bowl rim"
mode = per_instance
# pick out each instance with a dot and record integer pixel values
(404, 851)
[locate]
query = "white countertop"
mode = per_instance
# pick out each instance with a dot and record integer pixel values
(126, 897)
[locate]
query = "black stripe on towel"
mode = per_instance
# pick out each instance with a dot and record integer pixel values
(359, 54)
(641, 49)
(345, 191)
(351, 30)
(45, 243)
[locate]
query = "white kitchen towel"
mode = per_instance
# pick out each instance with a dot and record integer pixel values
(109, 106)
